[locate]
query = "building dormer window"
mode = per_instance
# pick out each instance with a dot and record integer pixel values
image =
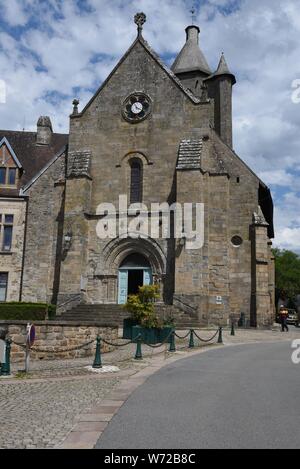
(12, 176)
(8, 176)
(9, 165)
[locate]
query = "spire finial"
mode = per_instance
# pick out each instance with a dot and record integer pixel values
(75, 106)
(140, 19)
(193, 13)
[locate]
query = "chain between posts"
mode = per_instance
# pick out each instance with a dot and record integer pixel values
(70, 349)
(206, 340)
(5, 369)
(161, 343)
(184, 337)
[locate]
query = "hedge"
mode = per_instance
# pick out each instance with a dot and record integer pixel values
(26, 311)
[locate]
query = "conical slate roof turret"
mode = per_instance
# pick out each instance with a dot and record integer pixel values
(191, 57)
(223, 69)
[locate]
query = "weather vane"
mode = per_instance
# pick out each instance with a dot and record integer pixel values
(193, 11)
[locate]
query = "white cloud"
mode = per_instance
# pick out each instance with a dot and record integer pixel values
(13, 12)
(289, 238)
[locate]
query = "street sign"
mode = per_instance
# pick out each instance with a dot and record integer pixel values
(29, 343)
(219, 300)
(30, 334)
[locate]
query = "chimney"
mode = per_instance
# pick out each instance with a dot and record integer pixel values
(44, 131)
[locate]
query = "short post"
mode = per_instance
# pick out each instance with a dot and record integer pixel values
(138, 353)
(172, 347)
(191, 344)
(232, 328)
(2, 353)
(5, 368)
(220, 338)
(97, 362)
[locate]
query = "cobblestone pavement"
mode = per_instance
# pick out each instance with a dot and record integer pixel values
(39, 412)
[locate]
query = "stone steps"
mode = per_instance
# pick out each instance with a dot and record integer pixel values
(115, 314)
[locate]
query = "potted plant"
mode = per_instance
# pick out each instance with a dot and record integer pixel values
(144, 321)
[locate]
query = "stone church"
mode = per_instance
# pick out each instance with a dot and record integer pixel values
(157, 135)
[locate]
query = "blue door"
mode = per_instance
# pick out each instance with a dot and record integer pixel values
(147, 277)
(123, 286)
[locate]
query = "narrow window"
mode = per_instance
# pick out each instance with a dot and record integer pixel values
(12, 176)
(136, 181)
(7, 233)
(3, 286)
(2, 175)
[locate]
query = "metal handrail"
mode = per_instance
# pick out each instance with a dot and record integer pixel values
(69, 300)
(185, 304)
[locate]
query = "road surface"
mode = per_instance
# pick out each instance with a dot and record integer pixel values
(234, 397)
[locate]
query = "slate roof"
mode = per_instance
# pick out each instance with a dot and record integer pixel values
(189, 156)
(222, 69)
(191, 57)
(32, 157)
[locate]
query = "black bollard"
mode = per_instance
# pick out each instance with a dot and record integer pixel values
(220, 338)
(5, 368)
(97, 362)
(172, 347)
(138, 353)
(232, 328)
(191, 344)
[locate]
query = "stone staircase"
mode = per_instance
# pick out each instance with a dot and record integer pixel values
(112, 314)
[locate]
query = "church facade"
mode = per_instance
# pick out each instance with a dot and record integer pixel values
(152, 136)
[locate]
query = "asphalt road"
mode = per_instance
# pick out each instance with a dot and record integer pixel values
(235, 397)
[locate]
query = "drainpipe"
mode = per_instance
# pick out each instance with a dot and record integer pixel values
(24, 246)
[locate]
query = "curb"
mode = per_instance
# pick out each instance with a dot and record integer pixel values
(91, 424)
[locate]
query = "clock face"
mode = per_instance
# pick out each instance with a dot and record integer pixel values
(136, 107)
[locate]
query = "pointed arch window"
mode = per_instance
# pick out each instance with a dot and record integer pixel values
(136, 181)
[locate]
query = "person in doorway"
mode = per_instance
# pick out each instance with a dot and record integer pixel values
(283, 318)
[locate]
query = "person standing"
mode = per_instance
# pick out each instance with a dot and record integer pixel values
(283, 318)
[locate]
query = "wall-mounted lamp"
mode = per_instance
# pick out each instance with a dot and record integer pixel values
(182, 240)
(67, 241)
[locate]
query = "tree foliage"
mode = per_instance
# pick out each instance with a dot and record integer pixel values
(141, 306)
(287, 272)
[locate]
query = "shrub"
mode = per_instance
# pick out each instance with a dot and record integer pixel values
(141, 306)
(26, 311)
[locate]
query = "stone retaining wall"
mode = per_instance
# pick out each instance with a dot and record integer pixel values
(54, 336)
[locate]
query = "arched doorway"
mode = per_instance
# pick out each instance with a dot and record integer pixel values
(134, 272)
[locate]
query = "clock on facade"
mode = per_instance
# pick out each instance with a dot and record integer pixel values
(136, 107)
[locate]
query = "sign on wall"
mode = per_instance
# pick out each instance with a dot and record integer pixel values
(219, 300)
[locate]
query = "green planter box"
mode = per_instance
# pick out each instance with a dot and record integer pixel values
(151, 336)
(165, 332)
(128, 324)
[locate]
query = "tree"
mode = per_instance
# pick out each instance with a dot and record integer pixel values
(287, 274)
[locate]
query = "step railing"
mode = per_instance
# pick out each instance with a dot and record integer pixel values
(183, 303)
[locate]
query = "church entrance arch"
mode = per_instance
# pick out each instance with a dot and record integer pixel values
(134, 272)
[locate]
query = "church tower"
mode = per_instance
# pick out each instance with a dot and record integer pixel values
(190, 65)
(220, 89)
(192, 69)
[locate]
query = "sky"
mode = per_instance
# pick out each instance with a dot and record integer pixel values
(52, 51)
